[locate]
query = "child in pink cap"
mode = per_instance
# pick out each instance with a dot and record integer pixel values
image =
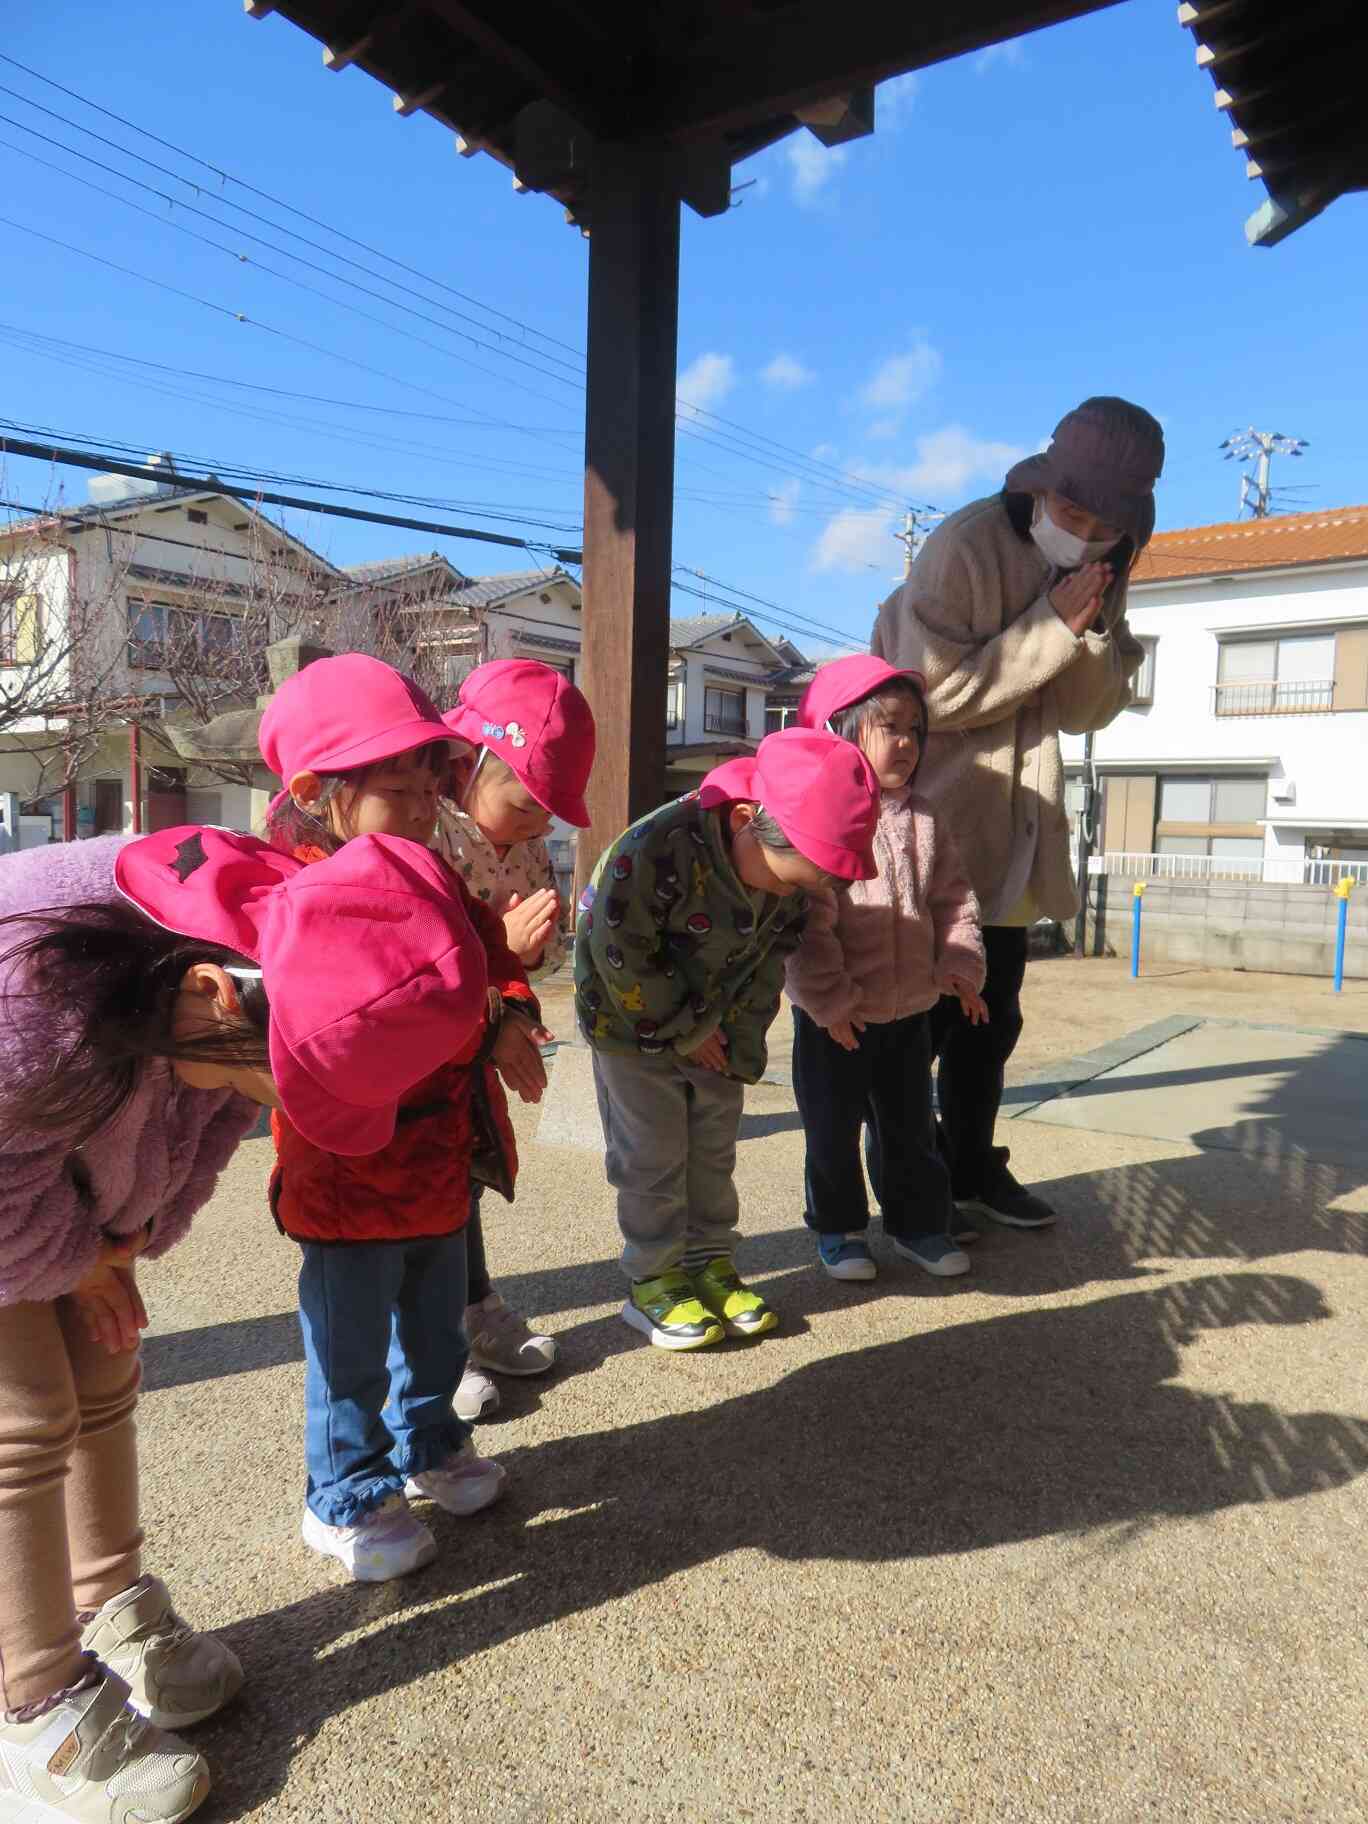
(872, 963)
(153, 994)
(679, 961)
(362, 752)
(532, 734)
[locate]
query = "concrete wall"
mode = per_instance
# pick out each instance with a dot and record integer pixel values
(1229, 925)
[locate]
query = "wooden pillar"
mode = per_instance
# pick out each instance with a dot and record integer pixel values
(629, 481)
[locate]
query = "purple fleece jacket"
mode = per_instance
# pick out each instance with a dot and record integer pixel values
(156, 1162)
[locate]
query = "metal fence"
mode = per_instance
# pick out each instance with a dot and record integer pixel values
(1309, 697)
(1270, 870)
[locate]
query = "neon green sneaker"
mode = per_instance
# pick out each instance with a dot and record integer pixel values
(721, 1289)
(669, 1313)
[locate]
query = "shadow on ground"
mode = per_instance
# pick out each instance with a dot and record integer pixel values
(966, 1437)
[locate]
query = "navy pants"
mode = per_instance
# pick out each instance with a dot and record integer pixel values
(973, 1060)
(384, 1352)
(478, 1287)
(884, 1088)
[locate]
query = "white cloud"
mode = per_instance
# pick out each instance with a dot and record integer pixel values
(783, 500)
(894, 99)
(857, 538)
(945, 463)
(903, 379)
(823, 451)
(1011, 51)
(884, 428)
(813, 166)
(786, 373)
(705, 383)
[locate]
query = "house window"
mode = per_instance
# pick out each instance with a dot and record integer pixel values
(724, 711)
(147, 633)
(1215, 821)
(1281, 677)
(197, 516)
(674, 703)
(21, 629)
(162, 635)
(779, 715)
(1143, 687)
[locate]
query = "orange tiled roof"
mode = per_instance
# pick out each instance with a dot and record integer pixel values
(1255, 544)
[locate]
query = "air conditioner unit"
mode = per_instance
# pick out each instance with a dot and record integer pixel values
(1283, 791)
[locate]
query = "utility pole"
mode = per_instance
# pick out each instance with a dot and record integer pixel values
(916, 521)
(1087, 831)
(1259, 448)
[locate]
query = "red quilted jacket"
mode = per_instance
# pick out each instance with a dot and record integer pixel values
(420, 1183)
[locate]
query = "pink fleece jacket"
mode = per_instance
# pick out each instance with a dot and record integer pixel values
(887, 948)
(156, 1162)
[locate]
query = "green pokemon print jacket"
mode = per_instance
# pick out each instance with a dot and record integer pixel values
(670, 944)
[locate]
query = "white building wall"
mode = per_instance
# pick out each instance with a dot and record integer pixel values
(1324, 755)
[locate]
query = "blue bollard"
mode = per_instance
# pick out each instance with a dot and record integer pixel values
(1342, 892)
(1135, 929)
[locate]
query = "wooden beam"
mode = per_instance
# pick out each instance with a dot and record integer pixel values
(558, 69)
(736, 77)
(629, 479)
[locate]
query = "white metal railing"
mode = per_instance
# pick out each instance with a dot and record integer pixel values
(1302, 697)
(1271, 870)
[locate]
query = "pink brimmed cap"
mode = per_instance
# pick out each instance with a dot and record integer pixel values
(846, 681)
(375, 975)
(820, 790)
(538, 724)
(345, 712)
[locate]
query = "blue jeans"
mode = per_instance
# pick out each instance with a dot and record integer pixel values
(384, 1351)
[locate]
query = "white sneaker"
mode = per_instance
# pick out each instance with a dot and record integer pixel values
(387, 1542)
(477, 1396)
(502, 1339)
(463, 1484)
(175, 1677)
(91, 1759)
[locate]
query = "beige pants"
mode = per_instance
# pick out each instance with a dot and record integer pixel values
(69, 1535)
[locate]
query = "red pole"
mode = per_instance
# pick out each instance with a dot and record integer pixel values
(135, 775)
(69, 814)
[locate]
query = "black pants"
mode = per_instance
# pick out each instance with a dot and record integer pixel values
(974, 1058)
(477, 1272)
(886, 1087)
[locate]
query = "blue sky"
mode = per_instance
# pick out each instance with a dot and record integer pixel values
(1060, 217)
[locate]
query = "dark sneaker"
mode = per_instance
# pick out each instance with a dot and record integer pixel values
(667, 1309)
(1001, 1199)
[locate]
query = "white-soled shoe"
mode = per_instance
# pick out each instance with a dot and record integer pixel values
(175, 1677)
(476, 1397)
(463, 1484)
(387, 1542)
(91, 1759)
(503, 1340)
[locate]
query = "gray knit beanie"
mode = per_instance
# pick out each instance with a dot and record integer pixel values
(1105, 457)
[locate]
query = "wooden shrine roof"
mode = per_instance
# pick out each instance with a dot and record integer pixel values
(536, 82)
(1290, 78)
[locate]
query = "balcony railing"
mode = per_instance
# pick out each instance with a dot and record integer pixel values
(1304, 697)
(1271, 870)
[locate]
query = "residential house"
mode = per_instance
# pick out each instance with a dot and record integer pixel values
(146, 608)
(1245, 752)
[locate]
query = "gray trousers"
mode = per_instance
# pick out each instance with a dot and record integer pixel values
(669, 1129)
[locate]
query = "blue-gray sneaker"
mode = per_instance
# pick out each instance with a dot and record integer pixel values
(846, 1256)
(938, 1254)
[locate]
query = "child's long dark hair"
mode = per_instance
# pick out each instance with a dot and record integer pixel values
(852, 722)
(289, 826)
(108, 979)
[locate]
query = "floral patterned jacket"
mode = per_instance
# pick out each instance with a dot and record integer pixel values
(493, 880)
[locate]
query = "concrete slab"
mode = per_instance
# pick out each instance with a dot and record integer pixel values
(1225, 1084)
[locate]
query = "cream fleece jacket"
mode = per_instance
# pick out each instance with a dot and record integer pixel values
(887, 948)
(1004, 676)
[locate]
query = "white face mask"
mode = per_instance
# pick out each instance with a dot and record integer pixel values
(1066, 550)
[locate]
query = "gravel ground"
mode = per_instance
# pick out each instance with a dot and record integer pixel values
(1073, 1538)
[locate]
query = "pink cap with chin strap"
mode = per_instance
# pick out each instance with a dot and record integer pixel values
(374, 973)
(820, 790)
(538, 724)
(342, 713)
(845, 681)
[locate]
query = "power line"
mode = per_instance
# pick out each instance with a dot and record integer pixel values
(761, 602)
(225, 176)
(210, 484)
